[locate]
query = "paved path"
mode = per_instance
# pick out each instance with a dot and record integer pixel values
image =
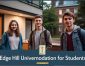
(56, 41)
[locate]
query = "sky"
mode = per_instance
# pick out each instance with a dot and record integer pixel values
(48, 2)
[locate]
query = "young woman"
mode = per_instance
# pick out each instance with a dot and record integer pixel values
(12, 39)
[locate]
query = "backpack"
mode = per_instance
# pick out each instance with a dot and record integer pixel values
(80, 37)
(46, 39)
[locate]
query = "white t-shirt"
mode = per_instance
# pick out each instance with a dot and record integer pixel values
(14, 42)
(69, 33)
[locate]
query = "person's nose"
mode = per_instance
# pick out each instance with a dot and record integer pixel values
(38, 22)
(67, 20)
(14, 26)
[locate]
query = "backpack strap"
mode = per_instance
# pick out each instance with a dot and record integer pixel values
(31, 40)
(45, 35)
(46, 39)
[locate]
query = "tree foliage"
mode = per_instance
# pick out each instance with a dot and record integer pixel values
(81, 14)
(50, 18)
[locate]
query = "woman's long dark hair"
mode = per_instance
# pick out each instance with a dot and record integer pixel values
(17, 31)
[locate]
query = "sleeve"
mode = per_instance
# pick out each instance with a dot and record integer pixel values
(21, 42)
(49, 39)
(83, 38)
(4, 41)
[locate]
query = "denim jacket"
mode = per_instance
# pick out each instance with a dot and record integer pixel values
(77, 44)
(5, 42)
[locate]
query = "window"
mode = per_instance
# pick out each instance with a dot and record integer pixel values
(28, 28)
(67, 10)
(75, 10)
(60, 12)
(60, 20)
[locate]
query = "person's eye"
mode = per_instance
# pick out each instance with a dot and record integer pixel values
(69, 18)
(12, 25)
(65, 19)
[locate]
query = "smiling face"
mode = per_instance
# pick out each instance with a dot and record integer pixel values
(14, 26)
(68, 21)
(38, 22)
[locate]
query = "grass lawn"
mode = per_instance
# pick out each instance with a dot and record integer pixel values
(56, 36)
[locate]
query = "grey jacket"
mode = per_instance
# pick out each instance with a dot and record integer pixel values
(42, 39)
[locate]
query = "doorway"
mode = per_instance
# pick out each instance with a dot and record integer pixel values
(28, 28)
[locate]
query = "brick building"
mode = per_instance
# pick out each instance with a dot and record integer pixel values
(63, 6)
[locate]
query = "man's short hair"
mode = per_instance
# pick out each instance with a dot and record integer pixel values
(69, 14)
(38, 16)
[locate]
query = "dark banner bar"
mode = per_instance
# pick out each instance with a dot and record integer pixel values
(33, 58)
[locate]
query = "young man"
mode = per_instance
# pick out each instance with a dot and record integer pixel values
(73, 38)
(39, 36)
